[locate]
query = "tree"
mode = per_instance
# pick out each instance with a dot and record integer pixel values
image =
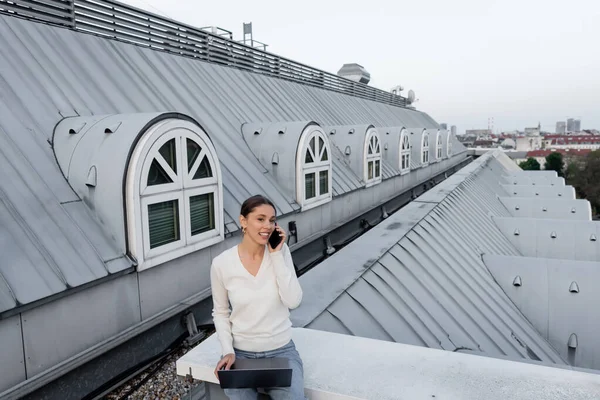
(531, 164)
(554, 162)
(584, 178)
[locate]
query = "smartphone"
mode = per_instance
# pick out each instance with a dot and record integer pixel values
(274, 239)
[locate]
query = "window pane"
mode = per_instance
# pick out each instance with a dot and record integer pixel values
(204, 170)
(321, 144)
(377, 169)
(202, 213)
(370, 170)
(323, 182)
(193, 150)
(310, 186)
(308, 158)
(163, 223)
(168, 152)
(324, 157)
(157, 175)
(312, 145)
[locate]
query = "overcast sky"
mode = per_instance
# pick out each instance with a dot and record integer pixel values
(517, 61)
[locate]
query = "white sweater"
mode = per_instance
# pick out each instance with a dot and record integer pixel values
(259, 319)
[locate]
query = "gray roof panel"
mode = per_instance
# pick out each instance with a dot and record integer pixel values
(49, 73)
(430, 287)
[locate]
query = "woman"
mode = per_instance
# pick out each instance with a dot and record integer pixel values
(261, 284)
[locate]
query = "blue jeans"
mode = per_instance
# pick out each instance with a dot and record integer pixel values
(294, 392)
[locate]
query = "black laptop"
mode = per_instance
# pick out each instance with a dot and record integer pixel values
(257, 373)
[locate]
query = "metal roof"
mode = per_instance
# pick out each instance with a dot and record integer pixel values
(419, 277)
(50, 240)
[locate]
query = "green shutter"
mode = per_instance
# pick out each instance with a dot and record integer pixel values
(163, 223)
(310, 186)
(323, 182)
(202, 213)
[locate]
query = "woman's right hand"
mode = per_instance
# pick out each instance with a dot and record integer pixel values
(227, 361)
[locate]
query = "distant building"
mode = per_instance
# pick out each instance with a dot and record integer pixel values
(453, 130)
(591, 142)
(573, 125)
(478, 132)
(444, 125)
(529, 143)
(534, 131)
(561, 127)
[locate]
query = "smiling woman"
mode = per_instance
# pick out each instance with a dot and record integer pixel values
(260, 283)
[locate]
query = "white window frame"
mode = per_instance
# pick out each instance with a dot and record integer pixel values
(404, 152)
(438, 146)
(425, 149)
(449, 144)
(139, 195)
(317, 166)
(372, 158)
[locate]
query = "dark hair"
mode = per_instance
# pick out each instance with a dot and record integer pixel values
(255, 201)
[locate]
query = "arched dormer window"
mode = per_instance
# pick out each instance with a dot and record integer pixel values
(174, 192)
(404, 152)
(313, 163)
(449, 144)
(425, 148)
(372, 158)
(438, 146)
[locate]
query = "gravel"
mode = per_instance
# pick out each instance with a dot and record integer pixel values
(164, 384)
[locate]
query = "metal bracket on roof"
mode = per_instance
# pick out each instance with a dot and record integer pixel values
(517, 281)
(574, 288)
(329, 249)
(92, 177)
(572, 341)
(384, 213)
(190, 322)
(112, 128)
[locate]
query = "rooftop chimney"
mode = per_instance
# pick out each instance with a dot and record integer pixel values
(355, 72)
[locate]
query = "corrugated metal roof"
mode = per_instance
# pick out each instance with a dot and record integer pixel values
(419, 277)
(49, 73)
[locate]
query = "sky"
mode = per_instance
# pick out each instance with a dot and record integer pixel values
(519, 62)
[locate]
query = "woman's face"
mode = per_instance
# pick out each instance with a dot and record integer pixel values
(259, 224)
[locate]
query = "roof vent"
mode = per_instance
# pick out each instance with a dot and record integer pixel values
(347, 151)
(573, 210)
(258, 131)
(553, 235)
(517, 207)
(560, 195)
(544, 209)
(574, 288)
(92, 178)
(515, 193)
(572, 341)
(517, 233)
(282, 131)
(275, 159)
(112, 128)
(537, 194)
(76, 129)
(351, 131)
(385, 146)
(332, 132)
(517, 281)
(355, 72)
(533, 183)
(593, 238)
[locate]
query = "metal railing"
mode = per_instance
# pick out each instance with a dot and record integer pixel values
(118, 21)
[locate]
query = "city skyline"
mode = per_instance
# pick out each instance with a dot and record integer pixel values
(466, 60)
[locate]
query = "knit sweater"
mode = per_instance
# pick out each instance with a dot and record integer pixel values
(259, 319)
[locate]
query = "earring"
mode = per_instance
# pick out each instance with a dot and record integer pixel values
(244, 230)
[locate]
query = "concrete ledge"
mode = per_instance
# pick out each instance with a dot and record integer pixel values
(342, 367)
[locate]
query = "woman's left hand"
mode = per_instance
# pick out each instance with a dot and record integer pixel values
(283, 236)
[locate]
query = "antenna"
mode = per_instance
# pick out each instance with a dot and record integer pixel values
(411, 96)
